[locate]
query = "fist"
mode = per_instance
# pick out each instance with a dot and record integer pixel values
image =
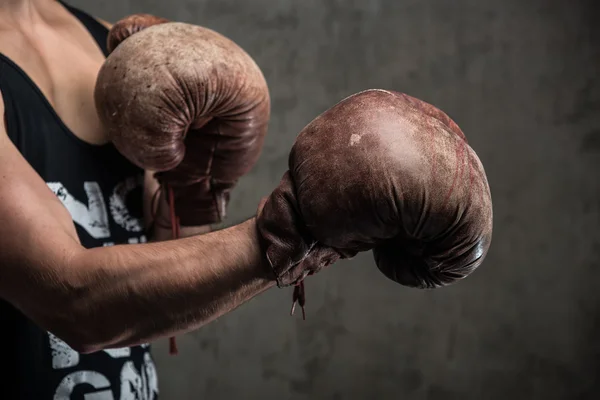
(188, 103)
(386, 172)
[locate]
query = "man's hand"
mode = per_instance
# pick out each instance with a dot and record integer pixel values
(197, 112)
(386, 172)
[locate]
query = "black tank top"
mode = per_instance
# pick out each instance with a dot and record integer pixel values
(103, 193)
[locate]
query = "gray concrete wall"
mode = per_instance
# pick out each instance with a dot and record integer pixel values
(521, 79)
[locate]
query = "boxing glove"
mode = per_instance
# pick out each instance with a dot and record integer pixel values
(128, 26)
(188, 103)
(386, 172)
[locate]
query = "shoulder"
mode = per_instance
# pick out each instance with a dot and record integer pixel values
(108, 25)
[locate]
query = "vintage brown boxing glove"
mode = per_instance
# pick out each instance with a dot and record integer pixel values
(187, 102)
(386, 172)
(128, 26)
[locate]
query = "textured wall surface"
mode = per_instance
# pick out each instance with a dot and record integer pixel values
(521, 79)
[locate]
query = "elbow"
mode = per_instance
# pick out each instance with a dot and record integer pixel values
(83, 330)
(82, 338)
(79, 314)
(78, 336)
(65, 297)
(83, 346)
(84, 342)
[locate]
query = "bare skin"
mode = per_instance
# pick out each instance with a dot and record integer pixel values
(121, 295)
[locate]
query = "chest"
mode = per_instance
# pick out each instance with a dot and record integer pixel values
(63, 64)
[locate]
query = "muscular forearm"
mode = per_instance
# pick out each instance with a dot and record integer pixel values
(131, 294)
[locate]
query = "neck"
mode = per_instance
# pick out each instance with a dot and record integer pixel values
(21, 11)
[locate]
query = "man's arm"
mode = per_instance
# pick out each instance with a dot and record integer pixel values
(114, 296)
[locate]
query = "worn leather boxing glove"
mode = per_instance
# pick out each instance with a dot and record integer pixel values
(128, 26)
(386, 172)
(188, 103)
